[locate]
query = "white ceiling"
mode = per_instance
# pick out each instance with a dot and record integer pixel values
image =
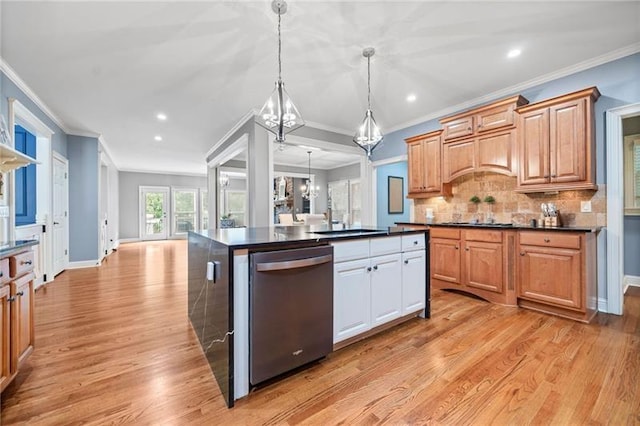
(109, 67)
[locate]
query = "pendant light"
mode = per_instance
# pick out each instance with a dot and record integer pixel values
(223, 180)
(368, 135)
(308, 190)
(279, 114)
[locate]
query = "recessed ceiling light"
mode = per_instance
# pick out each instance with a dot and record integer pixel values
(158, 138)
(411, 98)
(514, 53)
(161, 116)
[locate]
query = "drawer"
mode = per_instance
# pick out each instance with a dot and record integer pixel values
(21, 263)
(385, 245)
(4, 270)
(413, 242)
(458, 128)
(350, 250)
(438, 232)
(483, 235)
(550, 239)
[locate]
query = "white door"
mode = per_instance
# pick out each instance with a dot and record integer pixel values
(414, 278)
(386, 293)
(154, 204)
(351, 299)
(60, 216)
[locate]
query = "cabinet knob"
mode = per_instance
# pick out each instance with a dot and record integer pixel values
(20, 293)
(369, 269)
(1, 274)
(546, 176)
(479, 126)
(522, 253)
(547, 240)
(457, 248)
(11, 299)
(375, 268)
(406, 261)
(553, 176)
(415, 243)
(469, 128)
(466, 248)
(25, 262)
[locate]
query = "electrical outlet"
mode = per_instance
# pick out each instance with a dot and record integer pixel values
(585, 206)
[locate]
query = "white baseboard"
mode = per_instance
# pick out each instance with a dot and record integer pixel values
(602, 305)
(83, 264)
(630, 281)
(128, 240)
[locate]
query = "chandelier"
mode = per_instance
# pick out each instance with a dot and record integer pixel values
(308, 190)
(279, 115)
(368, 135)
(223, 180)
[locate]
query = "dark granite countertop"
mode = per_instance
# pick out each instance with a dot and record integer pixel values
(283, 235)
(505, 226)
(11, 247)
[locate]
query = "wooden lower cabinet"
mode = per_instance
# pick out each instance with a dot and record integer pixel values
(475, 261)
(557, 274)
(22, 335)
(5, 335)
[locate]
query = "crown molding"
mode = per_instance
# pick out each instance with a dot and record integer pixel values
(328, 128)
(245, 118)
(573, 69)
(13, 76)
(155, 172)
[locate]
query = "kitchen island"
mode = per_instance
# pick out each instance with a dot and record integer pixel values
(367, 290)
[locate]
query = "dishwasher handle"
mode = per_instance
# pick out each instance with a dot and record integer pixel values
(293, 264)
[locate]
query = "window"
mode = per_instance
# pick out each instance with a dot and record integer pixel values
(25, 177)
(185, 217)
(234, 205)
(632, 175)
(204, 209)
(346, 201)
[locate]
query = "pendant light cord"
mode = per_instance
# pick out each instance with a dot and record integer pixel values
(279, 48)
(369, 82)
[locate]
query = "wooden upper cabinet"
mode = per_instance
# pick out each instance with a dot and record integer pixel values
(458, 158)
(458, 128)
(494, 116)
(425, 162)
(557, 143)
(495, 152)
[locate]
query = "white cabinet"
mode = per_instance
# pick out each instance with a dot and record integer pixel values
(414, 278)
(351, 295)
(386, 290)
(376, 281)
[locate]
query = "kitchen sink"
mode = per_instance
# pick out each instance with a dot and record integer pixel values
(345, 231)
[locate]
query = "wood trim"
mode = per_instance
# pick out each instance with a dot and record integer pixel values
(591, 92)
(519, 100)
(435, 133)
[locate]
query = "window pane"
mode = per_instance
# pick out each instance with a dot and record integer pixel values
(236, 206)
(184, 210)
(204, 209)
(356, 201)
(339, 199)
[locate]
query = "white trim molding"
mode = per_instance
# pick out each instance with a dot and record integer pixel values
(243, 120)
(614, 264)
(631, 281)
(128, 240)
(84, 264)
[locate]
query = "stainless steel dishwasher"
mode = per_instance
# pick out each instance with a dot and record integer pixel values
(291, 310)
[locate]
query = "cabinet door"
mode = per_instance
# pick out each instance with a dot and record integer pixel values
(534, 147)
(483, 266)
(431, 162)
(445, 260)
(416, 167)
(414, 281)
(495, 153)
(495, 118)
(22, 318)
(351, 299)
(567, 141)
(458, 128)
(386, 289)
(5, 331)
(458, 158)
(551, 275)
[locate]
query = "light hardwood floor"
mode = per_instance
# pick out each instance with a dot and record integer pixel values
(114, 345)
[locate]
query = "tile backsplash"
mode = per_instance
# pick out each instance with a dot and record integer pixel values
(510, 206)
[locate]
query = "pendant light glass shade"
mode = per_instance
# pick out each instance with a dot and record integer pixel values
(368, 135)
(279, 114)
(223, 180)
(308, 190)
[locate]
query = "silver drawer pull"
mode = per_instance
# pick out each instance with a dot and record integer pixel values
(26, 262)
(20, 293)
(293, 264)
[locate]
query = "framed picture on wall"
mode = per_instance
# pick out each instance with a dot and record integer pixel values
(395, 195)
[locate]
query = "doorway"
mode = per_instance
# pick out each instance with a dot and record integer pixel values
(60, 215)
(154, 204)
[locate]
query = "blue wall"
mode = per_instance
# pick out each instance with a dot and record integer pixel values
(382, 173)
(632, 245)
(84, 161)
(9, 90)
